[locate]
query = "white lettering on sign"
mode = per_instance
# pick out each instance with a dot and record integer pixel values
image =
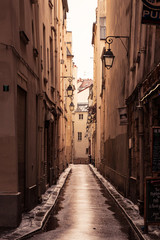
(152, 14)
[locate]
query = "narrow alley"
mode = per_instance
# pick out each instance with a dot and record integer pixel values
(84, 210)
(80, 119)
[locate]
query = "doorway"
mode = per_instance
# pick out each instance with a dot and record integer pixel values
(21, 141)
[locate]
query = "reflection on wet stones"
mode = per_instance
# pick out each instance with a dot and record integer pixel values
(85, 210)
(52, 222)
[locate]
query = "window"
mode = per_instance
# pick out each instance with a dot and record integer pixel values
(44, 49)
(87, 150)
(80, 116)
(51, 60)
(102, 28)
(79, 136)
(22, 14)
(48, 61)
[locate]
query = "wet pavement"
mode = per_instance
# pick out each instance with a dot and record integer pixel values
(85, 211)
(34, 220)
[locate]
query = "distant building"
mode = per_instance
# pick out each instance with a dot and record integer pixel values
(80, 139)
(69, 80)
(80, 144)
(83, 89)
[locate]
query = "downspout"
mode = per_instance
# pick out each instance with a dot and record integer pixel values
(141, 155)
(40, 112)
(141, 142)
(126, 93)
(141, 134)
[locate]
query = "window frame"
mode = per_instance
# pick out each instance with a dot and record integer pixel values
(81, 116)
(79, 136)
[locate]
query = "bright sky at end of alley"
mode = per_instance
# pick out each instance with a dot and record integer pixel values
(80, 19)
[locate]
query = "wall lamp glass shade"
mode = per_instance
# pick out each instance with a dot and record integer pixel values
(71, 106)
(108, 58)
(89, 117)
(69, 91)
(88, 121)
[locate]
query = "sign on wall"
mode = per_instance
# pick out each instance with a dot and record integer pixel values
(152, 202)
(123, 115)
(155, 149)
(151, 12)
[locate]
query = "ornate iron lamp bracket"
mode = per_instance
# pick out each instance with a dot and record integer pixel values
(109, 40)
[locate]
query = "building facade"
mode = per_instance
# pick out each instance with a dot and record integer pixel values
(33, 50)
(80, 116)
(80, 140)
(129, 104)
(97, 96)
(70, 79)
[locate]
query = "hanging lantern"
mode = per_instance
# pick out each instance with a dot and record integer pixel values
(71, 106)
(69, 91)
(108, 58)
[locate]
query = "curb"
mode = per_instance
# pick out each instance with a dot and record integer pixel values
(35, 222)
(115, 195)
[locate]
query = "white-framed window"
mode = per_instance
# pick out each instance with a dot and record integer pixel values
(79, 136)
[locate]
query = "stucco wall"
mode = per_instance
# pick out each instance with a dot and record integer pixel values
(80, 126)
(8, 151)
(115, 135)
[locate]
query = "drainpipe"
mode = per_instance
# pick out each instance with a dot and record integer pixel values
(127, 186)
(40, 104)
(141, 158)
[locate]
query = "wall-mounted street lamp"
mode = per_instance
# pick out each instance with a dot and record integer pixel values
(89, 117)
(88, 121)
(70, 91)
(123, 115)
(108, 56)
(71, 106)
